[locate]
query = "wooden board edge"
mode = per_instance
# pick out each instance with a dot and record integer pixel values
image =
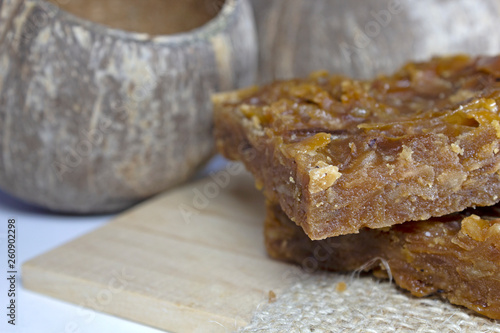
(125, 304)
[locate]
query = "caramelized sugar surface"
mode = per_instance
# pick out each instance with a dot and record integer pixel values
(418, 99)
(342, 154)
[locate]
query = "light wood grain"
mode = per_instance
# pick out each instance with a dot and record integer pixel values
(207, 273)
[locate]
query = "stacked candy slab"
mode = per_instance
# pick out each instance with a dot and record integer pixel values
(339, 156)
(456, 256)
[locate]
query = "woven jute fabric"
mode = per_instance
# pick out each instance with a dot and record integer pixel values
(316, 304)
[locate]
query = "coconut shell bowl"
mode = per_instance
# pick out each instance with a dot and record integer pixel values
(104, 103)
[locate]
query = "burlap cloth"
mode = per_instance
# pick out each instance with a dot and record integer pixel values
(313, 304)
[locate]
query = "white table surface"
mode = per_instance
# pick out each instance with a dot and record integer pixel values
(37, 232)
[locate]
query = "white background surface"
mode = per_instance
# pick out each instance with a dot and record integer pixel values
(37, 232)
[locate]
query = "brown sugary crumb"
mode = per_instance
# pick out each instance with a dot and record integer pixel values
(272, 296)
(341, 287)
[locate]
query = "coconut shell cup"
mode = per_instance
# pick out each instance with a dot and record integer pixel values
(94, 119)
(364, 38)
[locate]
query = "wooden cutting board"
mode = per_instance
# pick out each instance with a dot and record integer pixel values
(190, 260)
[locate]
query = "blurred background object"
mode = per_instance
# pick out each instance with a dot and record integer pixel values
(363, 38)
(155, 17)
(94, 119)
